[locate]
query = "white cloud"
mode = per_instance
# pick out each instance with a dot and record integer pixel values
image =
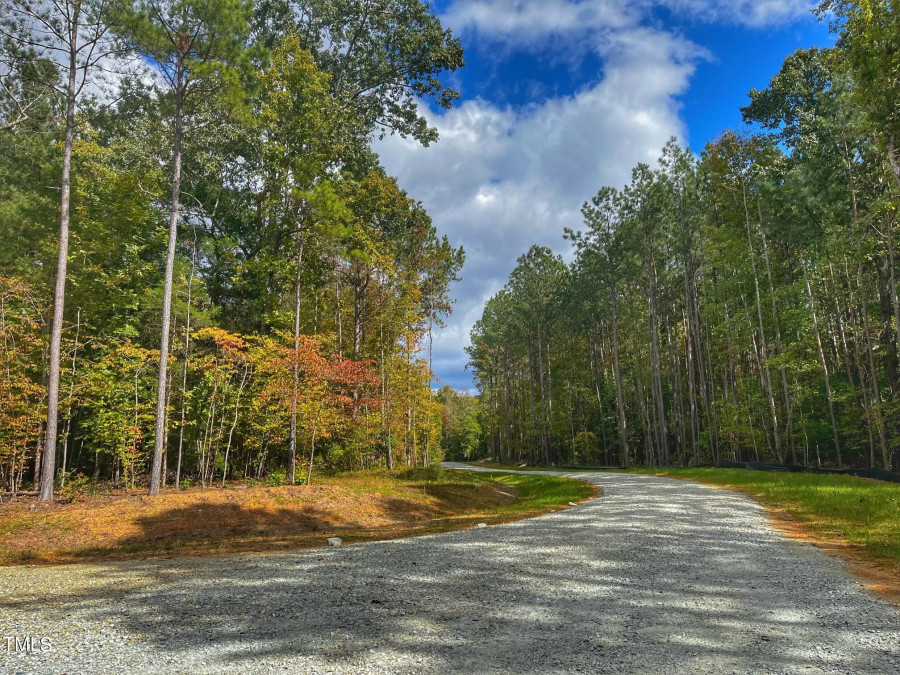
(535, 20)
(532, 21)
(503, 178)
(752, 13)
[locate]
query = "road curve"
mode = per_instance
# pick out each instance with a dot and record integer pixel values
(657, 576)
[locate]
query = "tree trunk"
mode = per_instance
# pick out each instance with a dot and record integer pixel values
(677, 397)
(48, 465)
(545, 444)
(764, 357)
(867, 407)
(882, 434)
(759, 369)
(65, 447)
(234, 421)
(894, 302)
(656, 376)
(778, 349)
(159, 441)
(860, 395)
(312, 456)
(689, 359)
(620, 399)
(549, 404)
(706, 374)
(595, 376)
(359, 288)
(295, 392)
(184, 371)
(834, 427)
(895, 170)
(340, 314)
(711, 413)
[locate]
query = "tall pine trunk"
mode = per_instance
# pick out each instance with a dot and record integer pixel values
(877, 405)
(184, 370)
(764, 357)
(159, 441)
(295, 392)
(789, 426)
(834, 427)
(48, 465)
(659, 411)
(620, 399)
(895, 302)
(689, 360)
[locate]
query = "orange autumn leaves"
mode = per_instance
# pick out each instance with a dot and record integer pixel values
(21, 397)
(329, 395)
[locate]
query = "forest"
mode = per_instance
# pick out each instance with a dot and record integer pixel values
(741, 305)
(205, 272)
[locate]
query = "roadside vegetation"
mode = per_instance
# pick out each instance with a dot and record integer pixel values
(358, 506)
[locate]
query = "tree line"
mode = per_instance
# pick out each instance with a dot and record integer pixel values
(741, 305)
(206, 272)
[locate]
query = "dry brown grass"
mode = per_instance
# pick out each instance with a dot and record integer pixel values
(356, 507)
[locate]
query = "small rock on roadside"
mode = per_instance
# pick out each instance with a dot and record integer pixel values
(480, 525)
(335, 541)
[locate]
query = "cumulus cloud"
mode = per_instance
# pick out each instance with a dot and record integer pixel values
(530, 21)
(504, 178)
(534, 20)
(752, 13)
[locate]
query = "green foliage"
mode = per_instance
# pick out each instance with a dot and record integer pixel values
(21, 348)
(77, 485)
(461, 425)
(118, 406)
(276, 478)
(740, 305)
(284, 214)
(383, 56)
(197, 47)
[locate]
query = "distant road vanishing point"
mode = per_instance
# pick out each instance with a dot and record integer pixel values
(657, 576)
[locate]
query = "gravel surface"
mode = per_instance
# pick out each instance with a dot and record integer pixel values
(657, 576)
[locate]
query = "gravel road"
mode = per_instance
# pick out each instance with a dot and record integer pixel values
(657, 576)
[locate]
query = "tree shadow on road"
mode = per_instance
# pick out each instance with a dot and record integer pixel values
(659, 576)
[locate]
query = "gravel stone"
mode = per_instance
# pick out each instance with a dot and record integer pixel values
(657, 576)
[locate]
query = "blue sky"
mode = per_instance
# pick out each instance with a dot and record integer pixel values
(561, 97)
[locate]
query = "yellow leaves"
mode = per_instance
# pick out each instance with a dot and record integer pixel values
(298, 114)
(865, 7)
(118, 398)
(21, 346)
(229, 343)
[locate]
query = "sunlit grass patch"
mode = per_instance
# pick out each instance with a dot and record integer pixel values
(538, 491)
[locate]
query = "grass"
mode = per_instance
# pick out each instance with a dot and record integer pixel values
(537, 494)
(357, 507)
